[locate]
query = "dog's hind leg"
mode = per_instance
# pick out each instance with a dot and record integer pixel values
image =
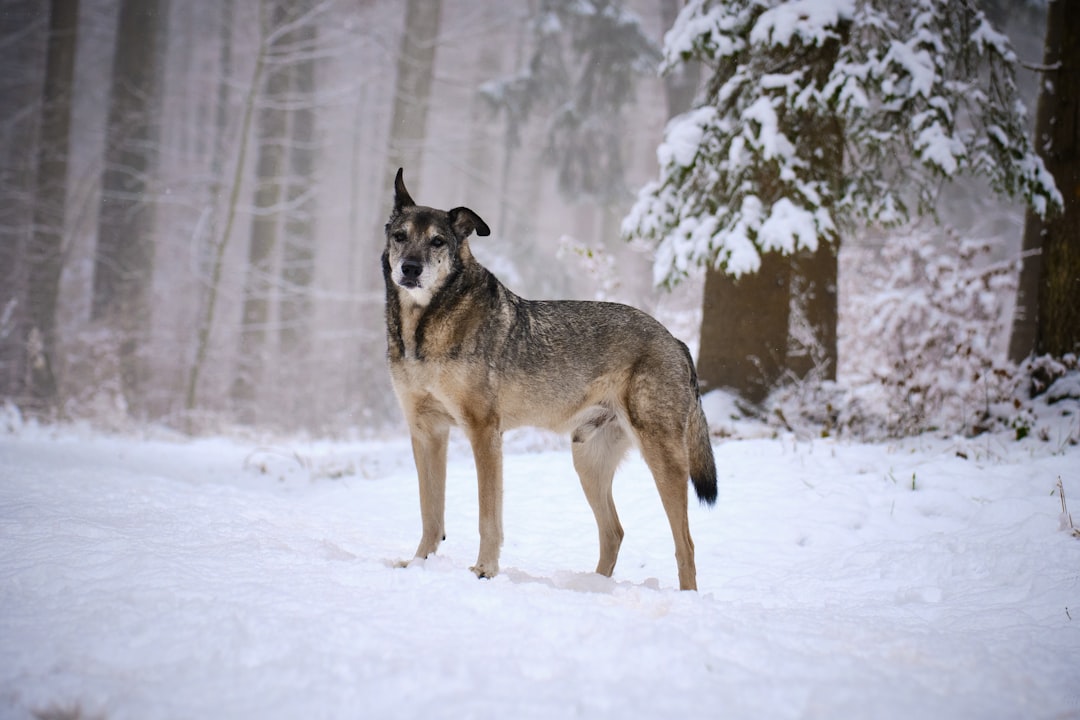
(657, 399)
(666, 457)
(598, 447)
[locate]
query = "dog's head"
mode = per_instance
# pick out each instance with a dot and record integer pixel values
(425, 246)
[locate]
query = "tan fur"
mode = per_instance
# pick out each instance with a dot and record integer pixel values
(463, 350)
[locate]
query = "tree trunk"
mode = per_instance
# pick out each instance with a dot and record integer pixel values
(265, 225)
(298, 250)
(221, 241)
(812, 349)
(23, 46)
(45, 251)
(415, 70)
(124, 261)
(744, 329)
(814, 282)
(754, 331)
(1047, 317)
(408, 131)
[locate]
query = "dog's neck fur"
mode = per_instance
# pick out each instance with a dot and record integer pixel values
(411, 311)
(407, 315)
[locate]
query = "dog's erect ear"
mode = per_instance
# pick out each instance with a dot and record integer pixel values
(402, 199)
(466, 222)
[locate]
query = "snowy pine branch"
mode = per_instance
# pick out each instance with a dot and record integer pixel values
(824, 115)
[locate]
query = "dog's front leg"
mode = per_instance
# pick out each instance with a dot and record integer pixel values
(429, 452)
(486, 440)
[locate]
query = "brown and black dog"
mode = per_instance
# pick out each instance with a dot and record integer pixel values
(466, 351)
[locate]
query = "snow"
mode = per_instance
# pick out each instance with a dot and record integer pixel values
(813, 21)
(168, 578)
(787, 227)
(683, 138)
(772, 142)
(1064, 387)
(985, 37)
(695, 24)
(918, 71)
(936, 147)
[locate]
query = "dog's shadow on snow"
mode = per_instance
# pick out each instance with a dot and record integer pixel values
(582, 582)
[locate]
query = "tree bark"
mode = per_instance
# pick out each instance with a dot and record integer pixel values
(1047, 319)
(265, 225)
(298, 251)
(813, 287)
(124, 261)
(749, 337)
(23, 46)
(744, 329)
(221, 242)
(415, 71)
(45, 251)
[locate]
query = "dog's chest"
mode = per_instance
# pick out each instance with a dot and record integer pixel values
(437, 335)
(410, 322)
(450, 386)
(430, 362)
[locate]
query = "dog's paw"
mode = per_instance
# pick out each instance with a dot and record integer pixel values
(485, 572)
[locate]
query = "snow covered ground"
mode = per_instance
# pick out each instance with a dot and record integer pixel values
(218, 578)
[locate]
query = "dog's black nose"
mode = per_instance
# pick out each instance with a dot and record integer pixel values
(411, 269)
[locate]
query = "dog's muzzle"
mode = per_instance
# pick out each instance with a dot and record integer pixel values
(410, 273)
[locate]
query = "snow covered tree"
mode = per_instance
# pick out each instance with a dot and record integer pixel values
(821, 116)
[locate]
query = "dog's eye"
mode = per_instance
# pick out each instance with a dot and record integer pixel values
(437, 242)
(399, 236)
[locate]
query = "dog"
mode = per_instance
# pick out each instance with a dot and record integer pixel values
(464, 350)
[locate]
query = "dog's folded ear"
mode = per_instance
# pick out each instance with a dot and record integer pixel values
(402, 199)
(465, 222)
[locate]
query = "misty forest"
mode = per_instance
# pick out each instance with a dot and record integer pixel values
(862, 216)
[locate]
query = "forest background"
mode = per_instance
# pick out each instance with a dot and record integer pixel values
(197, 203)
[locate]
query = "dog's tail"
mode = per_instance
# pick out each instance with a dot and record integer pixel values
(699, 447)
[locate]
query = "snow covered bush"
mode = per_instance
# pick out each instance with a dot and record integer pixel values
(933, 330)
(92, 386)
(924, 350)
